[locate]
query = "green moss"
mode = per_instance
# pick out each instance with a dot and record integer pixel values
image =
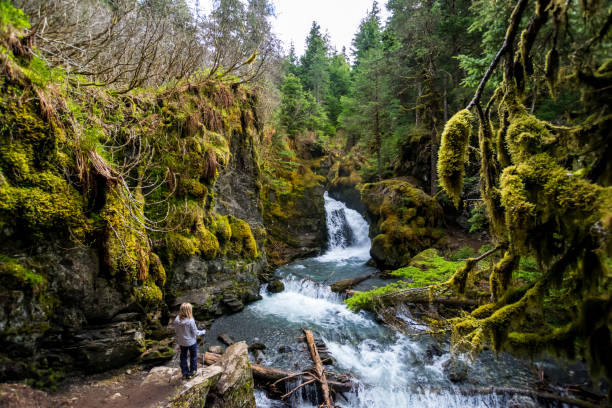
(193, 188)
(242, 241)
(41, 211)
(157, 272)
(14, 275)
(223, 229)
(41, 74)
(208, 244)
(425, 269)
(463, 253)
(404, 220)
(148, 295)
(502, 274)
(452, 154)
(11, 17)
(126, 247)
(179, 245)
(526, 136)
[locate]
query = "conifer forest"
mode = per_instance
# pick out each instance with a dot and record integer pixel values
(420, 216)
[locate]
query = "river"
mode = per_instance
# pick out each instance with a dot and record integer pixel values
(391, 369)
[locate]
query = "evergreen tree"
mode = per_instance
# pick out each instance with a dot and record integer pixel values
(339, 85)
(313, 70)
(368, 35)
(293, 107)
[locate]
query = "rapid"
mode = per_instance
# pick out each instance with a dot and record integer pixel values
(391, 369)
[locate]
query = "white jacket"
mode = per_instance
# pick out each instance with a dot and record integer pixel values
(186, 331)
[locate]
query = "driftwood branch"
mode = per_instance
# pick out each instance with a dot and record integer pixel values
(314, 353)
(268, 375)
(298, 387)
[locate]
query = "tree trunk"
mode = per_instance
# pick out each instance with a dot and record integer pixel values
(378, 144)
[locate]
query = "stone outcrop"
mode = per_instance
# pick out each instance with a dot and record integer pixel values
(214, 287)
(344, 182)
(294, 213)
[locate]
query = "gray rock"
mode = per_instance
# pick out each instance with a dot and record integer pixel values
(216, 349)
(110, 346)
(456, 370)
(162, 375)
(276, 286)
(126, 317)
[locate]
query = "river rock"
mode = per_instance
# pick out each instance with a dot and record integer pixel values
(276, 286)
(216, 349)
(257, 346)
(404, 221)
(215, 287)
(159, 353)
(162, 375)
(522, 401)
(456, 370)
(224, 337)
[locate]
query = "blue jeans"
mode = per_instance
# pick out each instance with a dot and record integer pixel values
(193, 359)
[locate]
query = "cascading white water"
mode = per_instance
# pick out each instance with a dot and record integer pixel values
(390, 369)
(347, 233)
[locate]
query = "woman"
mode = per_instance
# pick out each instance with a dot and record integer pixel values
(186, 333)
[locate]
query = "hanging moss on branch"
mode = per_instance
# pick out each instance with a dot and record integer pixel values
(453, 153)
(540, 204)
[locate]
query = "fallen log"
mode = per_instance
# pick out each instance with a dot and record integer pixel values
(343, 285)
(314, 353)
(224, 337)
(269, 375)
(419, 296)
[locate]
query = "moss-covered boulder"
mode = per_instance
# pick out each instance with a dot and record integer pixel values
(276, 286)
(403, 221)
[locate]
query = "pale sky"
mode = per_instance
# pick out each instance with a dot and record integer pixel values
(339, 18)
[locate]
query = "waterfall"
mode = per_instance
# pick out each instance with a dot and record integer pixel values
(347, 233)
(390, 369)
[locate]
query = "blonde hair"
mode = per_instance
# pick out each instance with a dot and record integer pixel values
(185, 312)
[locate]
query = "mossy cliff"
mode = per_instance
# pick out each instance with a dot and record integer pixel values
(106, 200)
(403, 221)
(292, 197)
(345, 180)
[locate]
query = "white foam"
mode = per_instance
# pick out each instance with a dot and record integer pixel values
(393, 376)
(309, 302)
